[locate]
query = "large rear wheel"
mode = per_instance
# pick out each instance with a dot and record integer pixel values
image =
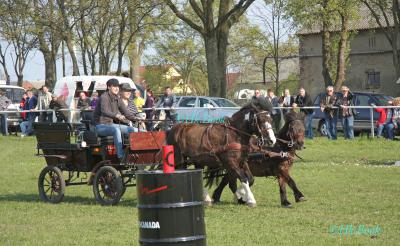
(51, 184)
(107, 186)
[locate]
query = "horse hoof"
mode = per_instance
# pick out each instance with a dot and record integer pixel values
(252, 205)
(301, 199)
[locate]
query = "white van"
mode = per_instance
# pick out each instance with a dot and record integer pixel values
(70, 87)
(14, 93)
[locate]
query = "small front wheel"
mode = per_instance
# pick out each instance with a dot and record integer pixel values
(107, 186)
(51, 184)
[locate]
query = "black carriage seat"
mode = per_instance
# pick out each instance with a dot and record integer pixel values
(54, 136)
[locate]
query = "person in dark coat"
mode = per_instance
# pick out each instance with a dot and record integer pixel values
(26, 126)
(276, 113)
(149, 113)
(286, 101)
(328, 106)
(347, 114)
(58, 104)
(167, 101)
(108, 115)
(303, 99)
(4, 103)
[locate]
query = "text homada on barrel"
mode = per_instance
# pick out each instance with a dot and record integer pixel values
(149, 224)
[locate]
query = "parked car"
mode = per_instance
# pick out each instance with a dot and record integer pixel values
(206, 109)
(362, 121)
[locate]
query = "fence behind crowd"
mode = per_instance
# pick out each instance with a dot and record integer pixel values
(75, 114)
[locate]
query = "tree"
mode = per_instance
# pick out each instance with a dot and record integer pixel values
(45, 20)
(332, 18)
(15, 25)
(3, 62)
(387, 15)
(181, 46)
(278, 34)
(214, 29)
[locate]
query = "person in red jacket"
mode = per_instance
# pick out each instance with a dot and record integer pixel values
(385, 121)
(22, 105)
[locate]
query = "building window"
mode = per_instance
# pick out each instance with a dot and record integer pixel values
(373, 79)
(372, 42)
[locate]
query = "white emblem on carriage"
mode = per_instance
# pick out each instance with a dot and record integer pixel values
(149, 224)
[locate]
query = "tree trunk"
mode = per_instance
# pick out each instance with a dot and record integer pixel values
(341, 56)
(70, 46)
(326, 57)
(215, 72)
(396, 36)
(49, 70)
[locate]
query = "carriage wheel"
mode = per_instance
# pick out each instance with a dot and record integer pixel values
(51, 184)
(107, 186)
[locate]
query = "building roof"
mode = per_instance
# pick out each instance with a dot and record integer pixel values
(365, 21)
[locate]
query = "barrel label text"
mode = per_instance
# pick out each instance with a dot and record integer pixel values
(149, 224)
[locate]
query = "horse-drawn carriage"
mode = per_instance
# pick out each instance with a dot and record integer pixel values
(80, 157)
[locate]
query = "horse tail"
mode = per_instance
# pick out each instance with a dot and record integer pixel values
(213, 176)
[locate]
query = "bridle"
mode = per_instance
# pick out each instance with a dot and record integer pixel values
(289, 143)
(261, 141)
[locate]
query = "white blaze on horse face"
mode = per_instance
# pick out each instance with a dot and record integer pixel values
(249, 195)
(271, 133)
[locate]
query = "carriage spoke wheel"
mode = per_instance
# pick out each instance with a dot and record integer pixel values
(107, 186)
(51, 184)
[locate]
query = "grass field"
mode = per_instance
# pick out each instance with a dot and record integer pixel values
(345, 182)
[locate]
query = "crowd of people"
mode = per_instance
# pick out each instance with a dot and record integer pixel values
(334, 108)
(118, 104)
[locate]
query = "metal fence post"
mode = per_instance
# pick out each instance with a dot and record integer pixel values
(371, 115)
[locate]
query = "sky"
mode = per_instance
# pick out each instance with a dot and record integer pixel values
(34, 68)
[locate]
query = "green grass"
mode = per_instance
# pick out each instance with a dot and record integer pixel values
(345, 182)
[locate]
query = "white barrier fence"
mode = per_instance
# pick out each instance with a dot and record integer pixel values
(71, 111)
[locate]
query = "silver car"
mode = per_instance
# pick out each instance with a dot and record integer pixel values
(205, 109)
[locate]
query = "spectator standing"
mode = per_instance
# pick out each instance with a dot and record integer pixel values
(276, 113)
(31, 104)
(347, 113)
(95, 98)
(44, 103)
(257, 93)
(286, 101)
(303, 99)
(167, 101)
(58, 104)
(22, 105)
(138, 101)
(149, 113)
(84, 101)
(328, 105)
(4, 103)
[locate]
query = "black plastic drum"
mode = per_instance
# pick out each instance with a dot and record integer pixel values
(171, 208)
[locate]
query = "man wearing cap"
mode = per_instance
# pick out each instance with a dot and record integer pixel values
(108, 112)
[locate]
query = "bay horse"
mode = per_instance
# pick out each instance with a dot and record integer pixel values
(224, 145)
(273, 163)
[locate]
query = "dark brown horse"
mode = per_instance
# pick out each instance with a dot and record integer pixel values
(223, 145)
(290, 139)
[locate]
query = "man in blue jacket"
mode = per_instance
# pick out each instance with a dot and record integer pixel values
(26, 126)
